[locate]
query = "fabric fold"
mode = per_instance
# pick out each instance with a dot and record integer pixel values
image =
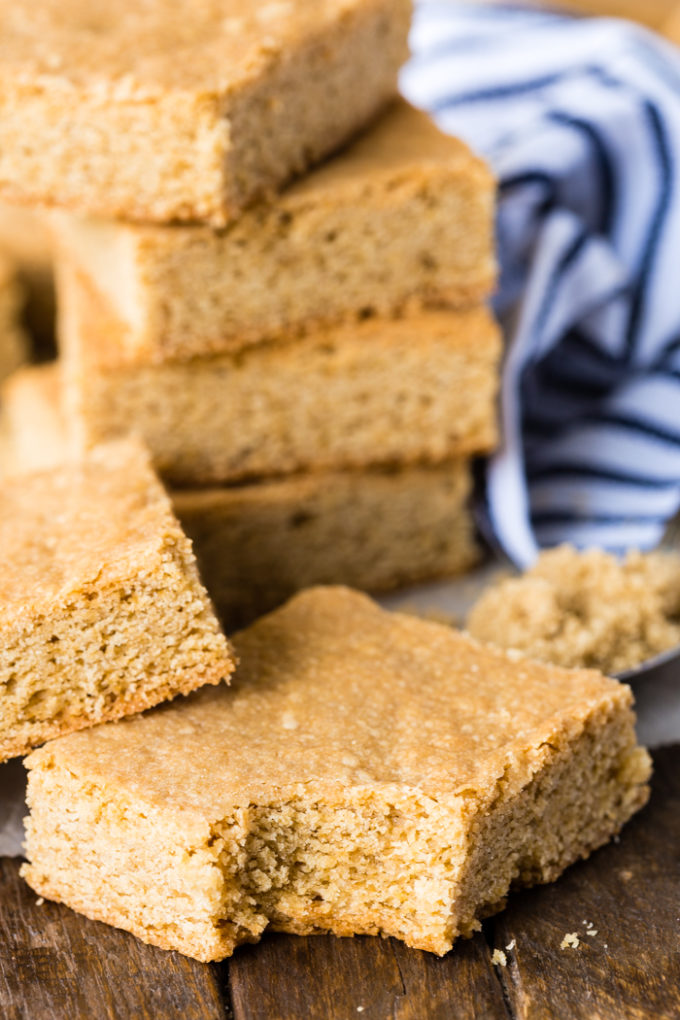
(580, 120)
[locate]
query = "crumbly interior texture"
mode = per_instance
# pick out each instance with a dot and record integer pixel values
(374, 529)
(369, 773)
(402, 218)
(585, 609)
(102, 612)
(420, 388)
(13, 340)
(171, 110)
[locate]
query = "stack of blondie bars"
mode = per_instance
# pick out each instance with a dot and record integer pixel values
(307, 357)
(310, 367)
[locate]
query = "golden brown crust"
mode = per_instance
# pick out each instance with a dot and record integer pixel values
(102, 612)
(198, 107)
(146, 50)
(293, 683)
(216, 949)
(66, 530)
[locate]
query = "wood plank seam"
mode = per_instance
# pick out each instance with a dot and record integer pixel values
(404, 991)
(55, 963)
(499, 973)
(621, 907)
(224, 981)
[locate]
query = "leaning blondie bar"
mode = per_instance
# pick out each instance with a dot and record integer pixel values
(102, 613)
(367, 773)
(418, 388)
(402, 217)
(176, 110)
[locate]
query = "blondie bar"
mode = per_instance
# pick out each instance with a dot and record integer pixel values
(373, 529)
(402, 217)
(175, 110)
(102, 613)
(419, 388)
(367, 773)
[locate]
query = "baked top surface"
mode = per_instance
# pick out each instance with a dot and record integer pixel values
(209, 46)
(70, 531)
(403, 140)
(336, 692)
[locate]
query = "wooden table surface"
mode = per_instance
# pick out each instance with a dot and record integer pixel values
(57, 965)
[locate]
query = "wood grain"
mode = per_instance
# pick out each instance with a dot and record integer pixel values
(315, 977)
(55, 965)
(630, 893)
(322, 977)
(461, 985)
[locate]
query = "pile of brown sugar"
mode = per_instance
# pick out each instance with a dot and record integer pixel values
(586, 609)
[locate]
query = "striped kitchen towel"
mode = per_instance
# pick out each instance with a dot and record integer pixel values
(581, 121)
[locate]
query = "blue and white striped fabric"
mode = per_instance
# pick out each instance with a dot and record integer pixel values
(581, 121)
